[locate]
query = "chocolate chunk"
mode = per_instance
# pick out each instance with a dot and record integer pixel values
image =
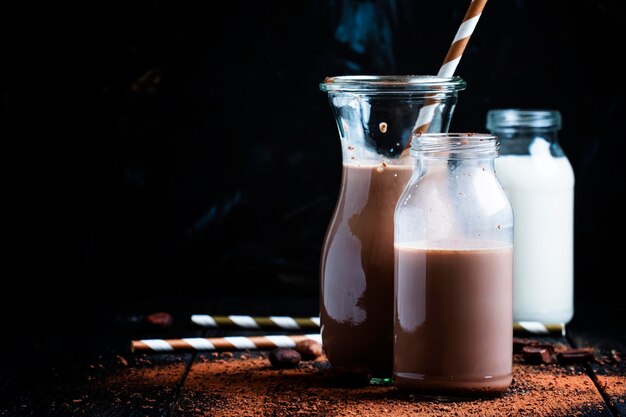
(537, 355)
(309, 349)
(550, 347)
(284, 358)
(573, 356)
(519, 344)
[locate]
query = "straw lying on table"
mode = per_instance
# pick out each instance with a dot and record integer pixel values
(275, 341)
(537, 328)
(221, 343)
(292, 323)
(250, 322)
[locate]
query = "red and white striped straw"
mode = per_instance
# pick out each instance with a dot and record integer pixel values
(221, 343)
(451, 61)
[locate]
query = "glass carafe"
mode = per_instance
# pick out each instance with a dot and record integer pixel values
(376, 116)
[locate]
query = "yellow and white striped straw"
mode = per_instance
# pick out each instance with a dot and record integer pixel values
(221, 343)
(537, 328)
(254, 322)
(296, 323)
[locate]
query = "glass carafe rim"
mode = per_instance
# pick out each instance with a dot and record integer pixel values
(392, 83)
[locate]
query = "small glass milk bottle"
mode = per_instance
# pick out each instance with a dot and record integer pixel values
(453, 291)
(539, 181)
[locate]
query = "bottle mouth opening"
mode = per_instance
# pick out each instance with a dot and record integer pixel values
(392, 83)
(502, 119)
(454, 146)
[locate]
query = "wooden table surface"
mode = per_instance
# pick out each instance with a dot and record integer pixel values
(82, 366)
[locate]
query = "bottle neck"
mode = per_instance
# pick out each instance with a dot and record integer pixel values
(550, 135)
(522, 141)
(455, 167)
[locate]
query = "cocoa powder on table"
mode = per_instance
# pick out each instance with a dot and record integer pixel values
(251, 387)
(245, 384)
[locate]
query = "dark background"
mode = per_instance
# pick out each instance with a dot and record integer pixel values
(157, 149)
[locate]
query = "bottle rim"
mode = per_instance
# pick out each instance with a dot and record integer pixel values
(392, 83)
(454, 146)
(499, 119)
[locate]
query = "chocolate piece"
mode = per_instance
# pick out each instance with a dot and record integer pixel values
(550, 347)
(519, 344)
(537, 355)
(573, 356)
(284, 358)
(309, 349)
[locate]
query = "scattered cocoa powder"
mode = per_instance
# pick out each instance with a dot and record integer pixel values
(251, 387)
(609, 374)
(247, 385)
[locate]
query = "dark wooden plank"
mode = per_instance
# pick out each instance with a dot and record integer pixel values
(239, 387)
(136, 390)
(69, 369)
(87, 369)
(609, 372)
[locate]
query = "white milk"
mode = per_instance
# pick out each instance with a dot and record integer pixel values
(541, 190)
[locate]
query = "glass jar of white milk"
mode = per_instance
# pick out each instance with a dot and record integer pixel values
(539, 181)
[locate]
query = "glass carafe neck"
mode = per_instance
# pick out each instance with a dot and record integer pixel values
(376, 115)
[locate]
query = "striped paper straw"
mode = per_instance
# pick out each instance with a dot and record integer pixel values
(462, 37)
(537, 328)
(251, 322)
(450, 62)
(220, 343)
(294, 323)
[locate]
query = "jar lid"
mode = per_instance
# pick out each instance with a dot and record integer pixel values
(521, 118)
(393, 83)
